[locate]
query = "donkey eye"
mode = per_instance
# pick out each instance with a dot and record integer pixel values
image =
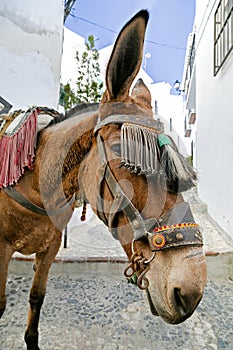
(116, 148)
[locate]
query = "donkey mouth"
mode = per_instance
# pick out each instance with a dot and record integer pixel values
(166, 317)
(152, 307)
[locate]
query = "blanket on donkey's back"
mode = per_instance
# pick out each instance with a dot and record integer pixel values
(18, 135)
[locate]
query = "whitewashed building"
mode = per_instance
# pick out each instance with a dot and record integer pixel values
(30, 52)
(208, 84)
(72, 42)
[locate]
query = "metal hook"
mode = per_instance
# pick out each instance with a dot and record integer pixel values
(138, 263)
(143, 282)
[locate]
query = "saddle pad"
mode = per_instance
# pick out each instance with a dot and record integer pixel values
(18, 136)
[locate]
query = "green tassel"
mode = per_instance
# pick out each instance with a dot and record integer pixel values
(163, 140)
(133, 279)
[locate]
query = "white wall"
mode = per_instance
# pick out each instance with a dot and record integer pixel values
(72, 43)
(30, 51)
(214, 127)
(171, 107)
(203, 10)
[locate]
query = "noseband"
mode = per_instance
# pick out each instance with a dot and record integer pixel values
(176, 228)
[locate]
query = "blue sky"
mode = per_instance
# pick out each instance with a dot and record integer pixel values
(169, 25)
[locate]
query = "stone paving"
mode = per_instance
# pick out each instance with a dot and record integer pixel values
(90, 305)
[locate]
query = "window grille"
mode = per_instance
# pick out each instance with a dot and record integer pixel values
(223, 33)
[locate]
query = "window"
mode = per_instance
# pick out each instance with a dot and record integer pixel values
(223, 33)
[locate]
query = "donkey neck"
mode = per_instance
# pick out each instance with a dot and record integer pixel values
(61, 148)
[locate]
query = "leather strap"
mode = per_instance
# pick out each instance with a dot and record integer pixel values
(19, 198)
(121, 201)
(128, 118)
(100, 202)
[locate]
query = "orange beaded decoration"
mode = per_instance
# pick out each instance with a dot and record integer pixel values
(180, 226)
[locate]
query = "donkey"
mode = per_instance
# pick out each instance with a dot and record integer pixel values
(117, 159)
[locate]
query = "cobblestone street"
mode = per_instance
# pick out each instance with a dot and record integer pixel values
(91, 306)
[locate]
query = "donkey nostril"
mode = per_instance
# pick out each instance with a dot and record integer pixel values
(179, 302)
(185, 304)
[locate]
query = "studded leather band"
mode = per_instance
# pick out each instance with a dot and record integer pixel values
(178, 235)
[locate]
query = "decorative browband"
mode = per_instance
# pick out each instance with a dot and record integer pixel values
(177, 235)
(141, 120)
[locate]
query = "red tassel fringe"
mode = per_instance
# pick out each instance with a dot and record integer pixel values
(18, 151)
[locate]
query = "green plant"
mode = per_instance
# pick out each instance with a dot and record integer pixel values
(89, 86)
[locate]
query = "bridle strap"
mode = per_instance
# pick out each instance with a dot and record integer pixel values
(100, 202)
(121, 201)
(19, 198)
(130, 118)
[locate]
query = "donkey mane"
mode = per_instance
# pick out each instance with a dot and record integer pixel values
(76, 110)
(88, 107)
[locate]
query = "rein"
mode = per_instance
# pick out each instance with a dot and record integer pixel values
(19, 198)
(176, 228)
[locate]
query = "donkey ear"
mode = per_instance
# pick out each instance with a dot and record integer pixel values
(126, 57)
(141, 94)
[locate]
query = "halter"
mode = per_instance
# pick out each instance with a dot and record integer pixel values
(176, 228)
